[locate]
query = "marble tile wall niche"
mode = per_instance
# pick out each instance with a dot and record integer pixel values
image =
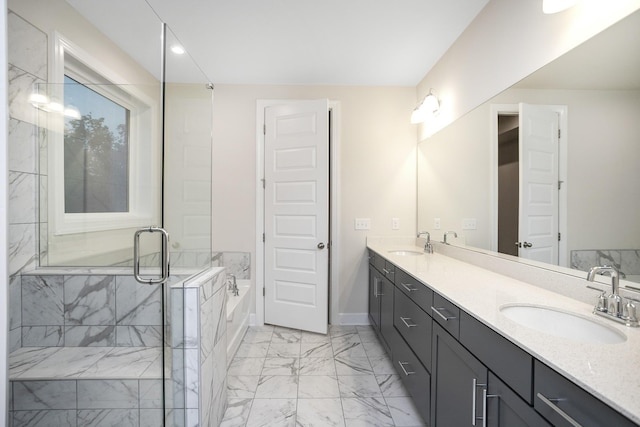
(27, 57)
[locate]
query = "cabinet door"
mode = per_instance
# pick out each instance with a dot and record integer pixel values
(374, 297)
(386, 312)
(458, 381)
(506, 409)
(567, 405)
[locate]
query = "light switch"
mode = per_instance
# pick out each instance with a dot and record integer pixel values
(436, 223)
(362, 223)
(469, 223)
(395, 223)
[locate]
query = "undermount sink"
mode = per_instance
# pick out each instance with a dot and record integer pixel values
(406, 253)
(562, 324)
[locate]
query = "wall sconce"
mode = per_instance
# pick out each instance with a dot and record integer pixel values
(555, 6)
(429, 107)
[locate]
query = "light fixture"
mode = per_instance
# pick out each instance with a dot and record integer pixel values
(555, 6)
(177, 49)
(72, 112)
(429, 107)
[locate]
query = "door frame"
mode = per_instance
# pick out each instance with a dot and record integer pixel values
(562, 110)
(334, 207)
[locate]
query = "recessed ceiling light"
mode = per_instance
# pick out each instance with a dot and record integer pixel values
(177, 49)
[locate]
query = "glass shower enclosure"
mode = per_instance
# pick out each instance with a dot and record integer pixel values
(122, 136)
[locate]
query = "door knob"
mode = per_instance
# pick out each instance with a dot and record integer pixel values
(527, 244)
(320, 245)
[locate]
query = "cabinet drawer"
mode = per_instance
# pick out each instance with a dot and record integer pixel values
(507, 360)
(446, 314)
(557, 398)
(377, 261)
(414, 325)
(505, 408)
(389, 271)
(414, 376)
(419, 293)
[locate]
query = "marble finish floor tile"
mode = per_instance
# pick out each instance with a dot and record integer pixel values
(284, 377)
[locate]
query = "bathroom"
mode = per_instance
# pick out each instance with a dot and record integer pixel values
(372, 118)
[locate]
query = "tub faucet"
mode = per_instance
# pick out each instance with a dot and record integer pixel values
(445, 236)
(428, 247)
(232, 284)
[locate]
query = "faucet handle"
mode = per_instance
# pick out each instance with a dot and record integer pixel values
(629, 311)
(602, 303)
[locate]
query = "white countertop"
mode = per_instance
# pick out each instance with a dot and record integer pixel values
(609, 371)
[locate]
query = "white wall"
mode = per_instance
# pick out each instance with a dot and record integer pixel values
(377, 170)
(474, 69)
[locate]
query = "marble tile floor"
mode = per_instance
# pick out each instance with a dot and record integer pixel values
(283, 377)
(53, 363)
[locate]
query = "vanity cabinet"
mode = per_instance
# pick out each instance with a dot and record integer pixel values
(457, 384)
(381, 273)
(565, 404)
(460, 372)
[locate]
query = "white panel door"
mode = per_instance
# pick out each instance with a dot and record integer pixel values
(296, 250)
(539, 205)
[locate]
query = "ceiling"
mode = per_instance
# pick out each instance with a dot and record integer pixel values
(328, 42)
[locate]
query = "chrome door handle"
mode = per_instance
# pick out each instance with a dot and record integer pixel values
(527, 245)
(320, 245)
(165, 256)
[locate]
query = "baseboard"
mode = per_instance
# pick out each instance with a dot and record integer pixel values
(353, 319)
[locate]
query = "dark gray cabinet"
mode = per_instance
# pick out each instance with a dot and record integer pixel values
(506, 409)
(460, 372)
(458, 383)
(565, 404)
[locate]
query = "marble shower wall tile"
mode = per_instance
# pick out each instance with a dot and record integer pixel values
(43, 336)
(42, 300)
(22, 146)
(90, 336)
(137, 304)
(138, 336)
(22, 247)
(237, 263)
(630, 261)
(27, 46)
(36, 395)
(21, 85)
(22, 198)
(90, 300)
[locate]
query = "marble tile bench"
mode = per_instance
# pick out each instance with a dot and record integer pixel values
(74, 386)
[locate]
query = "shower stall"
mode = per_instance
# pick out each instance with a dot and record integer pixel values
(117, 306)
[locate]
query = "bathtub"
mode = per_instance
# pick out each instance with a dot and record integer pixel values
(238, 308)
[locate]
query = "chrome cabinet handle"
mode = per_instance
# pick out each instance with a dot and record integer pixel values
(407, 373)
(165, 256)
(409, 288)
(564, 415)
(442, 316)
(376, 287)
(409, 325)
(474, 417)
(385, 271)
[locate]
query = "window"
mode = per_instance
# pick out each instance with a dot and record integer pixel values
(96, 152)
(104, 150)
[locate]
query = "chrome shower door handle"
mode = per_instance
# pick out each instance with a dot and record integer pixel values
(165, 256)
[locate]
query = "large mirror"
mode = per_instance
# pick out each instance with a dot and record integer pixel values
(495, 178)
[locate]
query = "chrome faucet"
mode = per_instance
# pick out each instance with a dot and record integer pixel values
(232, 285)
(611, 306)
(428, 247)
(445, 236)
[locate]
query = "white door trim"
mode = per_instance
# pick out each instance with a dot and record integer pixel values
(334, 206)
(562, 111)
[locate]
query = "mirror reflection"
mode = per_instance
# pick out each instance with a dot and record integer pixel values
(547, 170)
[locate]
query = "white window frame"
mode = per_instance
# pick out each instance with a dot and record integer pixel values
(143, 182)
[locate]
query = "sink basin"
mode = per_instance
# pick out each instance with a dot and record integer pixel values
(562, 324)
(406, 253)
